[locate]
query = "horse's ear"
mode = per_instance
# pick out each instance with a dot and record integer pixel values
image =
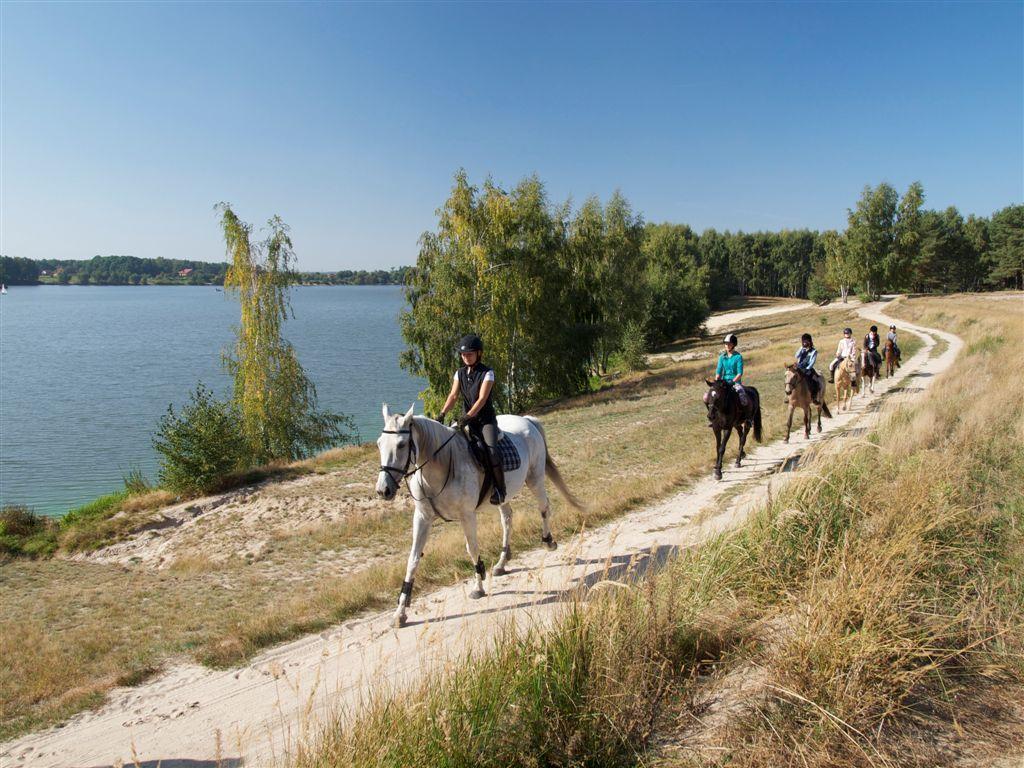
(408, 414)
(386, 411)
(709, 382)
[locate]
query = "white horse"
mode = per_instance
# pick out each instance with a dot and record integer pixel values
(445, 481)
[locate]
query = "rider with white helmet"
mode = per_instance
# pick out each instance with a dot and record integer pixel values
(847, 348)
(730, 369)
(891, 336)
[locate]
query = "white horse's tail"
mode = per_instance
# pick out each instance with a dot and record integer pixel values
(552, 470)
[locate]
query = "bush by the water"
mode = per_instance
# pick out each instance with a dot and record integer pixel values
(200, 445)
(25, 533)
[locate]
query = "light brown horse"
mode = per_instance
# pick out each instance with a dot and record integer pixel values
(798, 395)
(890, 358)
(846, 382)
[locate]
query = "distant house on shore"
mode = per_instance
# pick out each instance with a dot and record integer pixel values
(185, 272)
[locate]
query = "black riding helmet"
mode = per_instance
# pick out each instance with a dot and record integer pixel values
(470, 343)
(848, 330)
(807, 337)
(874, 329)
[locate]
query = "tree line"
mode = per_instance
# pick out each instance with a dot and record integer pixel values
(559, 294)
(132, 270)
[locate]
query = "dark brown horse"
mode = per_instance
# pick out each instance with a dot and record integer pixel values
(726, 413)
(890, 358)
(868, 372)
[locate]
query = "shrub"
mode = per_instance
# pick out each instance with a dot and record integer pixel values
(201, 445)
(24, 533)
(818, 290)
(634, 347)
(135, 482)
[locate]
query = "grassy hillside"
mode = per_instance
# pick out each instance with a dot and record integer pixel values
(636, 440)
(869, 615)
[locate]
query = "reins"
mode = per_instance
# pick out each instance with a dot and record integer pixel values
(405, 472)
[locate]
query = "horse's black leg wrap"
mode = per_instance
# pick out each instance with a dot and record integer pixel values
(546, 539)
(480, 567)
(407, 591)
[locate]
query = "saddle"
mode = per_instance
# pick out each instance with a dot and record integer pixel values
(507, 453)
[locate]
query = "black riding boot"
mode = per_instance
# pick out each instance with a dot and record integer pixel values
(498, 476)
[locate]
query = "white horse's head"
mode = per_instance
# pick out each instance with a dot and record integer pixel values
(396, 451)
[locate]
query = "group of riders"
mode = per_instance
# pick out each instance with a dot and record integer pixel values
(474, 382)
(730, 361)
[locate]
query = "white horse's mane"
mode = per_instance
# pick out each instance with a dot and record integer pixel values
(428, 435)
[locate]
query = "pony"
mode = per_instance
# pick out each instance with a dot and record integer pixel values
(445, 481)
(868, 372)
(726, 413)
(846, 382)
(890, 359)
(798, 395)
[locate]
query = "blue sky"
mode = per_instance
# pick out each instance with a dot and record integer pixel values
(123, 124)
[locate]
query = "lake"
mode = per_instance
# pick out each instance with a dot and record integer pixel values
(86, 372)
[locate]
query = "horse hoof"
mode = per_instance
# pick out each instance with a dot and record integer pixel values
(785, 440)
(551, 545)
(718, 475)
(498, 570)
(476, 594)
(400, 622)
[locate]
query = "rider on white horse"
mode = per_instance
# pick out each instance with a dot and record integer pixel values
(475, 382)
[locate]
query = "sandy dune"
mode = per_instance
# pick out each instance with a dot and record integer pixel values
(256, 712)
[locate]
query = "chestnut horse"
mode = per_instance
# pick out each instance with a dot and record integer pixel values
(890, 358)
(798, 395)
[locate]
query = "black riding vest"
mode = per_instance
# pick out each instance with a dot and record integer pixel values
(470, 382)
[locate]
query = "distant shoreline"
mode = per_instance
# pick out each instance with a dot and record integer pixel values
(193, 285)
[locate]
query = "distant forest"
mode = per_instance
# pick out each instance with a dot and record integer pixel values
(131, 270)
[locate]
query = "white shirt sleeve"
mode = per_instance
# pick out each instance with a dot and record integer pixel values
(489, 376)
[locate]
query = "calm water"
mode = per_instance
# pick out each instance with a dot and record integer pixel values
(86, 373)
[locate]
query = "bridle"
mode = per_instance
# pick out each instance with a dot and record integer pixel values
(789, 383)
(405, 472)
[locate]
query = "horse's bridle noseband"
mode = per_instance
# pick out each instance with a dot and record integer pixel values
(403, 472)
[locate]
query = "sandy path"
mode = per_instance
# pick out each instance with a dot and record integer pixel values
(726, 320)
(255, 712)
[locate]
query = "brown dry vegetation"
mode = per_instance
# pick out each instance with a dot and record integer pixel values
(247, 574)
(868, 616)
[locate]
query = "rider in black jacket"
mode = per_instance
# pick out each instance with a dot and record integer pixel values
(475, 382)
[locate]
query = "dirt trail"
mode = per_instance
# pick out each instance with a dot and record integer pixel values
(256, 712)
